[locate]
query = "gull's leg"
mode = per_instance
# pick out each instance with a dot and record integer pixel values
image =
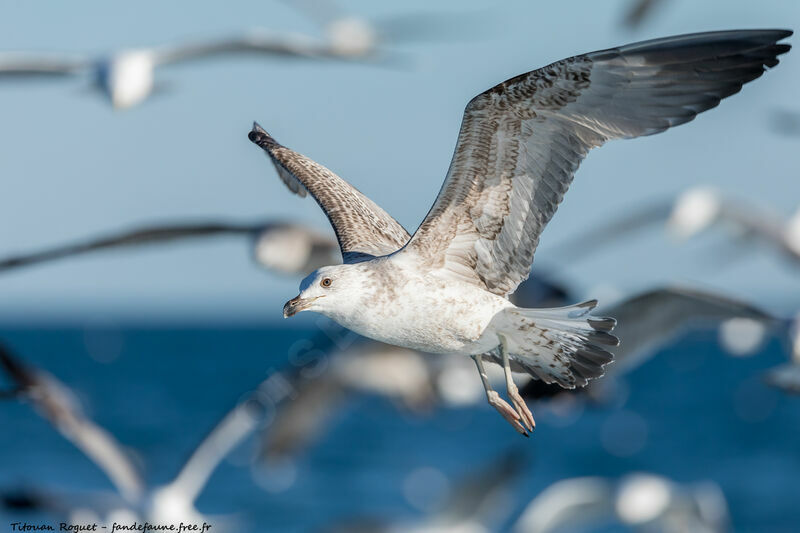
(496, 401)
(513, 393)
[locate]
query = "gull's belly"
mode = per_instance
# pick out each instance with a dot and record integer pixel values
(432, 315)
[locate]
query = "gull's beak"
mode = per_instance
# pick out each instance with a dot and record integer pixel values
(295, 305)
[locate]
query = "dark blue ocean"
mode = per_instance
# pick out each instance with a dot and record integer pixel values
(691, 413)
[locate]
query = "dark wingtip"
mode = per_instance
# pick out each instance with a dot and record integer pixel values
(259, 135)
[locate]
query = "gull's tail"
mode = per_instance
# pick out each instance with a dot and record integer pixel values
(563, 345)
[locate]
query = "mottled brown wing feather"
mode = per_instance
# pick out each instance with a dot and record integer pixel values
(521, 142)
(362, 228)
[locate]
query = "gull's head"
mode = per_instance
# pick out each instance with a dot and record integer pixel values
(330, 290)
(127, 77)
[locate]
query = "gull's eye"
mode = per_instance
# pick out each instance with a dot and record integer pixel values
(326, 282)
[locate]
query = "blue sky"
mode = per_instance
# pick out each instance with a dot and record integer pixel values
(72, 167)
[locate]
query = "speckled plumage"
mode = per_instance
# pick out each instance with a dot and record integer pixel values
(445, 289)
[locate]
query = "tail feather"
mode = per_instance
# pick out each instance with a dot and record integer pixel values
(561, 345)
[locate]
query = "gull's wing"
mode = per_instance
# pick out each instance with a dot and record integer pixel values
(521, 141)
(255, 42)
(56, 403)
(234, 427)
(648, 321)
(362, 228)
(141, 236)
(25, 64)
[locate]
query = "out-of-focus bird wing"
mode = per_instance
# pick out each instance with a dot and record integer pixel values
(638, 11)
(571, 502)
(649, 321)
(55, 402)
(146, 235)
(20, 64)
(254, 42)
(362, 227)
(234, 427)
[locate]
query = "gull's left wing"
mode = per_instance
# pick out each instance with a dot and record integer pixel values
(362, 227)
(522, 141)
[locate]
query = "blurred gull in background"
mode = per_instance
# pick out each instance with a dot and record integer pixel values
(355, 35)
(690, 213)
(700, 208)
(639, 502)
(283, 247)
(173, 502)
(127, 77)
(58, 405)
(652, 320)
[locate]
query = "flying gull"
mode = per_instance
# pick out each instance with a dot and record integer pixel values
(700, 208)
(127, 77)
(639, 502)
(171, 502)
(693, 211)
(445, 289)
(279, 246)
